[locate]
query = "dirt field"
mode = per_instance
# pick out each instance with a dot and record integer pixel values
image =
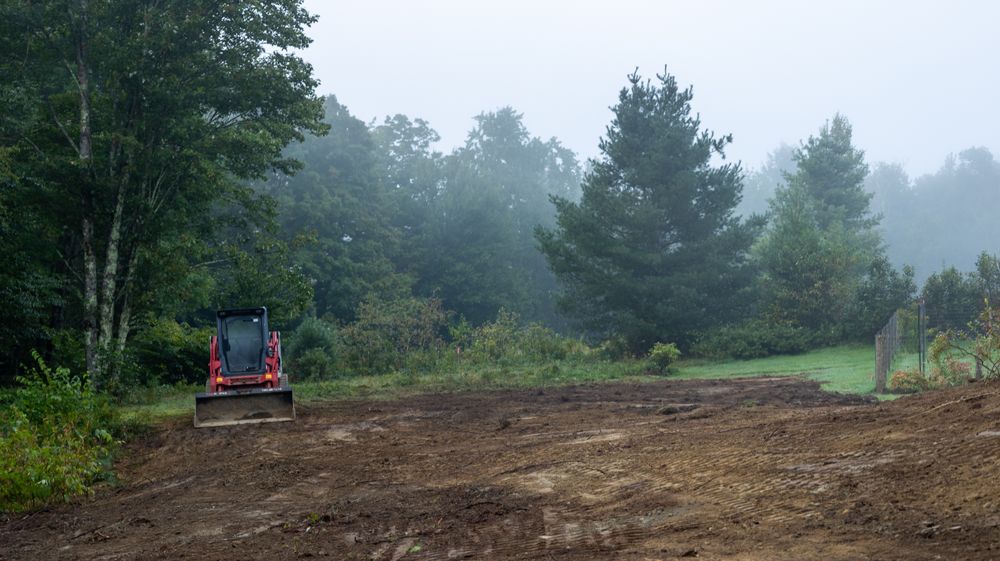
(751, 469)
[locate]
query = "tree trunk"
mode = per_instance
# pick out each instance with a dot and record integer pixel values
(89, 288)
(87, 196)
(109, 282)
(125, 315)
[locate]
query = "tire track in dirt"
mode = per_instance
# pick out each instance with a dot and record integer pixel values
(759, 469)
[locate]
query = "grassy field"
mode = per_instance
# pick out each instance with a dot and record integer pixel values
(846, 369)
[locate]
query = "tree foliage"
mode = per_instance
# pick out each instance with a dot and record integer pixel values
(823, 266)
(652, 251)
(336, 200)
(132, 119)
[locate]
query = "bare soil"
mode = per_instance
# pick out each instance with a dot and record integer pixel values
(756, 469)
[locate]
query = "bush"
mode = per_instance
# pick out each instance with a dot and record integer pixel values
(387, 331)
(662, 355)
(498, 338)
(945, 356)
(56, 439)
(909, 381)
(313, 350)
(504, 340)
(912, 380)
(614, 348)
(754, 339)
(540, 343)
(167, 352)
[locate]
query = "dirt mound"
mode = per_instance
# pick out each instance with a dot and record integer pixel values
(744, 469)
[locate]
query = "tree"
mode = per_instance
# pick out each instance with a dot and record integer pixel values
(411, 172)
(951, 299)
(652, 252)
(822, 241)
(337, 199)
(136, 118)
(948, 224)
(806, 272)
(988, 275)
(879, 294)
(469, 217)
(832, 172)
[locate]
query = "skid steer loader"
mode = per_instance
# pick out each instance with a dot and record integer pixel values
(246, 381)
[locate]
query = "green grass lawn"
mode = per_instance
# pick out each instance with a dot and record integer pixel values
(846, 369)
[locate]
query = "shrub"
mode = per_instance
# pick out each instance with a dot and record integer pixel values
(387, 331)
(908, 381)
(313, 350)
(614, 348)
(56, 438)
(505, 340)
(755, 339)
(167, 352)
(498, 338)
(662, 355)
(945, 356)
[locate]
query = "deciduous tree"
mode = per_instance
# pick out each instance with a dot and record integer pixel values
(137, 117)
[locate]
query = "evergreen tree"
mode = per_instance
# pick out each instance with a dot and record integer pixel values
(806, 272)
(821, 258)
(832, 172)
(952, 299)
(653, 252)
(760, 184)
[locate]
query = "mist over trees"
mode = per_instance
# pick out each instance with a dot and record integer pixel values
(760, 184)
(394, 218)
(941, 219)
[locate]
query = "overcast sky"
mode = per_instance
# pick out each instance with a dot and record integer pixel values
(918, 79)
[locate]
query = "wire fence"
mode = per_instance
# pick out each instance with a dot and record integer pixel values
(902, 343)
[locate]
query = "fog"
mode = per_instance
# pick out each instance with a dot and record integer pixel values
(917, 79)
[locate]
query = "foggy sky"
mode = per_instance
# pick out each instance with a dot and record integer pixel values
(917, 79)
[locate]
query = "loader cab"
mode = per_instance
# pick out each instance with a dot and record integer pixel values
(243, 339)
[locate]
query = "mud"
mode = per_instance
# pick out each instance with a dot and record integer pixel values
(746, 470)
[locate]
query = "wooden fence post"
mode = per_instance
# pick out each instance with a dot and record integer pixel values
(881, 367)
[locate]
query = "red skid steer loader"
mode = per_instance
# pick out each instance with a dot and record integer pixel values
(246, 382)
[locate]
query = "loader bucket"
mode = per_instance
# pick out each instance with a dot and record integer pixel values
(237, 408)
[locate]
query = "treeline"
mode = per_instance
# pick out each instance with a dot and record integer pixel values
(388, 217)
(933, 222)
(649, 250)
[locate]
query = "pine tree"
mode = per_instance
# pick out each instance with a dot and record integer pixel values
(832, 172)
(653, 252)
(822, 257)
